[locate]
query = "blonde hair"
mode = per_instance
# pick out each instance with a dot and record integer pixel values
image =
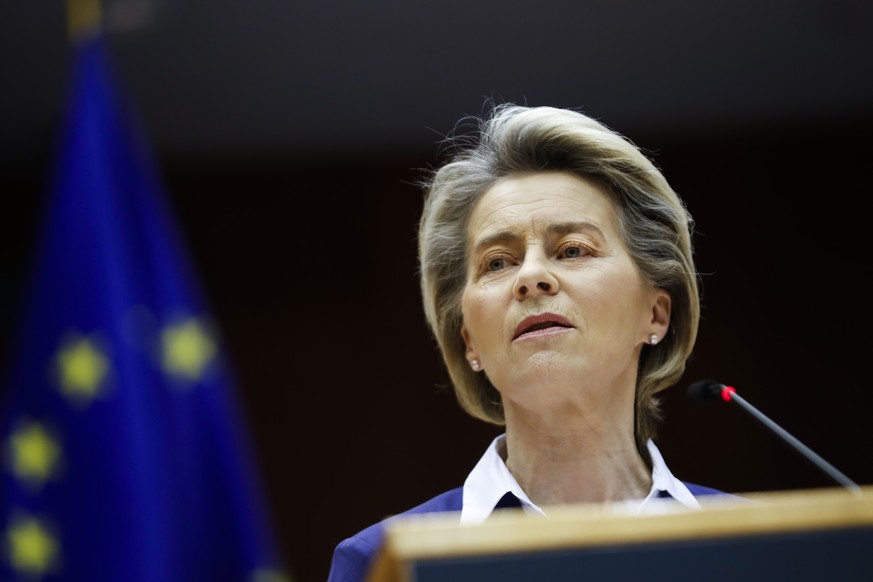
(653, 221)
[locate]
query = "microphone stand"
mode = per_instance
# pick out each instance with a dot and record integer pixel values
(799, 446)
(712, 390)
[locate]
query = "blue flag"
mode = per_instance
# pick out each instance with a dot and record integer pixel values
(123, 445)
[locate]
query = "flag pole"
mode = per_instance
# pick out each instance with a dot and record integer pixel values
(84, 19)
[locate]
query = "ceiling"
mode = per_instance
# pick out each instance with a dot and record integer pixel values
(217, 76)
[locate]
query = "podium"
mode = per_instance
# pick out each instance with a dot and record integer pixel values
(819, 534)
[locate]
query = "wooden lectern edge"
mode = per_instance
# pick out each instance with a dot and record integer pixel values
(426, 536)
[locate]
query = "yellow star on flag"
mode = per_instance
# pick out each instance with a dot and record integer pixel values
(187, 349)
(34, 454)
(83, 369)
(31, 547)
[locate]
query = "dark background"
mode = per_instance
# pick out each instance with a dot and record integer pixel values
(290, 137)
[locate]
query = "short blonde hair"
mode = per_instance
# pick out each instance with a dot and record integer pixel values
(653, 222)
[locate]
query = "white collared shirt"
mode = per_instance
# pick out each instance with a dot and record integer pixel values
(490, 480)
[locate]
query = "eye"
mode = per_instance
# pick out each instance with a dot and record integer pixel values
(495, 264)
(496, 261)
(573, 251)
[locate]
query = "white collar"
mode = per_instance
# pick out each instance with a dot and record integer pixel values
(490, 480)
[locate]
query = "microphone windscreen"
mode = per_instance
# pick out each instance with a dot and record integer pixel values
(705, 390)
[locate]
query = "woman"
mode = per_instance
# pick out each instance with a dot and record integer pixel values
(558, 278)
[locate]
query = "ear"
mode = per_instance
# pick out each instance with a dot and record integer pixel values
(661, 307)
(471, 353)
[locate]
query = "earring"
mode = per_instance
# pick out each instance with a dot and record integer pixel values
(475, 365)
(653, 339)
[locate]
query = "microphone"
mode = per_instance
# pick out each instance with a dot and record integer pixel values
(711, 390)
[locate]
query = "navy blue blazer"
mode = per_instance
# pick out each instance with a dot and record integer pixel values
(353, 556)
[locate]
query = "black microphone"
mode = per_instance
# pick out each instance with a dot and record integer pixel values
(712, 390)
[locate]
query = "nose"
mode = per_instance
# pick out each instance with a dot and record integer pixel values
(535, 277)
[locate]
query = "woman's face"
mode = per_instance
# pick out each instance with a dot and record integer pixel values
(554, 308)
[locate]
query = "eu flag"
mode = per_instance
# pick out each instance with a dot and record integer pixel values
(125, 455)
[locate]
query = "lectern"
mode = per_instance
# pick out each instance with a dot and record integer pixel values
(816, 535)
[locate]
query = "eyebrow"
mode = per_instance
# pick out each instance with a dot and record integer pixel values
(555, 229)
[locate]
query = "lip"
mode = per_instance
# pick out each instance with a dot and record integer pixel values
(540, 323)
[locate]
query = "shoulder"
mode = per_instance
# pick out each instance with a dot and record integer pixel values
(352, 556)
(451, 500)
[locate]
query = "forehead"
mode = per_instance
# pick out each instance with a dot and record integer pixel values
(532, 201)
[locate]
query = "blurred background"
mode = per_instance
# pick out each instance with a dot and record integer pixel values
(290, 137)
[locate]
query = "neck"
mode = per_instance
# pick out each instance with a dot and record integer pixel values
(589, 464)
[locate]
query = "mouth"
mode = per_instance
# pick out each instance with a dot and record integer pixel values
(544, 323)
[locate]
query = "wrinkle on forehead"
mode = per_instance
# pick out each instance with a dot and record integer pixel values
(552, 229)
(528, 203)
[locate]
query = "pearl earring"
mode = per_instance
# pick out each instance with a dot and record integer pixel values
(475, 365)
(653, 339)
